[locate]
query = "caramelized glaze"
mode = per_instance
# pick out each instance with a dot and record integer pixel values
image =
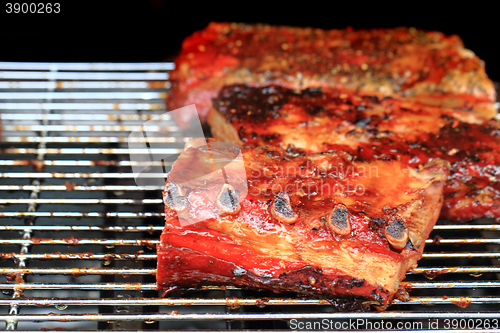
(282, 237)
(314, 121)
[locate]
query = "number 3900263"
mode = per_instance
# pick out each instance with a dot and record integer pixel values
(32, 8)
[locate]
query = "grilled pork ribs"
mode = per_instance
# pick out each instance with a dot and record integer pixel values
(323, 224)
(424, 66)
(311, 111)
(316, 121)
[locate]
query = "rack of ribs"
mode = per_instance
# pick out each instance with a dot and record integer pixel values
(325, 225)
(408, 63)
(315, 121)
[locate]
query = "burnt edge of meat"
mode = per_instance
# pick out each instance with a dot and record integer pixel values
(311, 282)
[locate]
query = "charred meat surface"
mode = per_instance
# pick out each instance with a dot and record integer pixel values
(305, 225)
(425, 66)
(365, 126)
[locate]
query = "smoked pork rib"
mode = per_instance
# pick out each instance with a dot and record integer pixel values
(323, 225)
(366, 126)
(419, 65)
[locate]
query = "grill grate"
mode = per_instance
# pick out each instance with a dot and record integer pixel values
(78, 236)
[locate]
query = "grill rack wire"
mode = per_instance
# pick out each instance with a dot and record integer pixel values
(78, 236)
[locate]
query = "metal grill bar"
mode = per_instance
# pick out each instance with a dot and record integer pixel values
(79, 95)
(102, 286)
(80, 241)
(77, 271)
(139, 215)
(80, 188)
(53, 76)
(72, 256)
(152, 286)
(88, 117)
(142, 215)
(47, 85)
(79, 256)
(140, 242)
(163, 302)
(84, 66)
(84, 151)
(82, 106)
(82, 163)
(124, 228)
(493, 227)
(434, 271)
(86, 139)
(76, 128)
(41, 175)
(224, 302)
(82, 201)
(174, 315)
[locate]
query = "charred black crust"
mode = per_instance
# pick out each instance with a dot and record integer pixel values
(373, 98)
(377, 223)
(410, 246)
(307, 281)
(377, 296)
(355, 304)
(315, 110)
(243, 103)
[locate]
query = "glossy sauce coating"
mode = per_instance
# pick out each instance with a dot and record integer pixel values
(257, 248)
(314, 121)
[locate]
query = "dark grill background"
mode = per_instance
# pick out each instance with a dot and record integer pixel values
(152, 30)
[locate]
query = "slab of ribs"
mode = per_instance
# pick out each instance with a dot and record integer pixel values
(320, 224)
(308, 110)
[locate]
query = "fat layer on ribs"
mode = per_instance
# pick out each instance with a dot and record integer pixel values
(426, 66)
(366, 126)
(323, 225)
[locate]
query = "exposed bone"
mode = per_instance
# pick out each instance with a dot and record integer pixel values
(173, 197)
(238, 271)
(338, 221)
(281, 209)
(227, 200)
(396, 232)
